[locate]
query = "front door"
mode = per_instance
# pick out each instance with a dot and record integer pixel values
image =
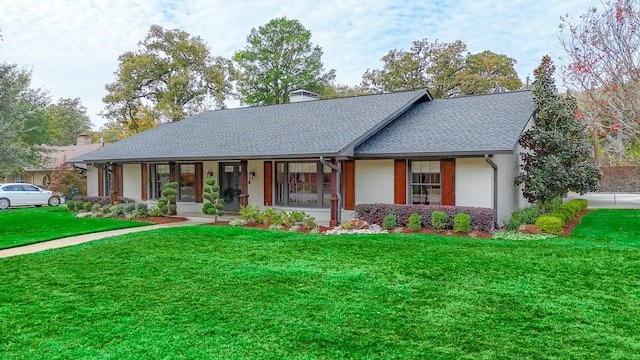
(230, 186)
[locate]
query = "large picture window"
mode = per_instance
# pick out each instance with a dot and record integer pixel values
(159, 174)
(304, 184)
(425, 183)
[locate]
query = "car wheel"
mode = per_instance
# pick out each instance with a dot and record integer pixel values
(4, 203)
(54, 201)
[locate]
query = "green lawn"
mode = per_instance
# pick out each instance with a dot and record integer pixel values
(23, 226)
(211, 292)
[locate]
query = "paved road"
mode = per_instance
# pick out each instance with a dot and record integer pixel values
(609, 200)
(79, 239)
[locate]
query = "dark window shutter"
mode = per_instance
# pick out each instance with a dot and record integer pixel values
(400, 181)
(199, 182)
(448, 179)
(349, 184)
(144, 181)
(268, 183)
(100, 180)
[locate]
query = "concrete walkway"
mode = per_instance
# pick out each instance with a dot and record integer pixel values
(79, 239)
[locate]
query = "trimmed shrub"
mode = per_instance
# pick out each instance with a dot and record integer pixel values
(96, 208)
(249, 212)
(439, 220)
(389, 221)
(71, 205)
(482, 219)
(462, 223)
(415, 222)
(550, 224)
(142, 210)
(87, 206)
(213, 204)
(522, 216)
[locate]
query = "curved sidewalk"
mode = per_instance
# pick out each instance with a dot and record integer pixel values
(79, 239)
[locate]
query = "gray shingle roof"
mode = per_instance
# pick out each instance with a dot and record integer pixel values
(312, 128)
(455, 126)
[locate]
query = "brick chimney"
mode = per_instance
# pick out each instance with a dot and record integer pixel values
(83, 139)
(302, 95)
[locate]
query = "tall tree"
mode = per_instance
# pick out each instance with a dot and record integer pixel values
(603, 50)
(446, 69)
(173, 74)
(279, 58)
(558, 157)
(22, 115)
(67, 119)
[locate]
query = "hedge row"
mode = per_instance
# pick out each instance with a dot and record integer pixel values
(482, 219)
(553, 223)
(102, 200)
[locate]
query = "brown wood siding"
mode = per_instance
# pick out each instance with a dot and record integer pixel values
(100, 180)
(144, 181)
(350, 185)
(199, 180)
(244, 183)
(268, 183)
(448, 178)
(400, 181)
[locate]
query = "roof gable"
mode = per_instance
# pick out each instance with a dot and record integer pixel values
(455, 126)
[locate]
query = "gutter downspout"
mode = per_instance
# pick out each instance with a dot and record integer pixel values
(487, 158)
(338, 171)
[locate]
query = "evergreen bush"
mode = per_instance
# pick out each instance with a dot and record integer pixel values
(389, 221)
(439, 220)
(415, 222)
(462, 223)
(213, 204)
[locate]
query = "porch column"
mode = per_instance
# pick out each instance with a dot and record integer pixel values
(244, 188)
(115, 183)
(334, 194)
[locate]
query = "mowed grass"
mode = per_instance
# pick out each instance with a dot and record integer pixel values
(24, 226)
(211, 292)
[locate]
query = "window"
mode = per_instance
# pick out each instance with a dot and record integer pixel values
(159, 174)
(304, 184)
(425, 183)
(187, 182)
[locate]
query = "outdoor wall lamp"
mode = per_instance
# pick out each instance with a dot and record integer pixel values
(209, 173)
(252, 174)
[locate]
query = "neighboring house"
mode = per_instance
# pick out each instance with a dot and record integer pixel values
(56, 156)
(326, 156)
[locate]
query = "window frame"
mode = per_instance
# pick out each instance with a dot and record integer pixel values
(430, 185)
(282, 185)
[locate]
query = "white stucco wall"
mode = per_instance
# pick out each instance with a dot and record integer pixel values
(508, 193)
(474, 182)
(374, 181)
(131, 181)
(256, 185)
(92, 180)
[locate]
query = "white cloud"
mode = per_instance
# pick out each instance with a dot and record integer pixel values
(72, 47)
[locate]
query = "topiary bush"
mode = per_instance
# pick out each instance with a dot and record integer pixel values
(415, 222)
(550, 224)
(170, 193)
(390, 221)
(213, 205)
(439, 220)
(462, 223)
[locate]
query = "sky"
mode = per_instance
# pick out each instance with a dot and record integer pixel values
(72, 47)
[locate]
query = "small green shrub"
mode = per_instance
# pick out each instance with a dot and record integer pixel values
(439, 220)
(238, 222)
(389, 221)
(515, 235)
(163, 206)
(462, 223)
(415, 222)
(249, 212)
(270, 216)
(71, 205)
(87, 206)
(118, 210)
(310, 222)
(96, 208)
(522, 216)
(155, 212)
(298, 216)
(346, 226)
(550, 224)
(142, 210)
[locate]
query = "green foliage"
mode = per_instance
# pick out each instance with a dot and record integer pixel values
(415, 222)
(173, 73)
(96, 208)
(516, 235)
(87, 206)
(270, 216)
(550, 224)
(389, 221)
(462, 223)
(249, 212)
(559, 154)
(522, 216)
(213, 204)
(446, 69)
(71, 205)
(22, 121)
(278, 59)
(439, 220)
(67, 119)
(64, 180)
(167, 204)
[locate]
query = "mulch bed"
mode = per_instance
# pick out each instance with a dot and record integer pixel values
(568, 227)
(162, 219)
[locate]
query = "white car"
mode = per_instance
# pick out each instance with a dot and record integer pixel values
(19, 194)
